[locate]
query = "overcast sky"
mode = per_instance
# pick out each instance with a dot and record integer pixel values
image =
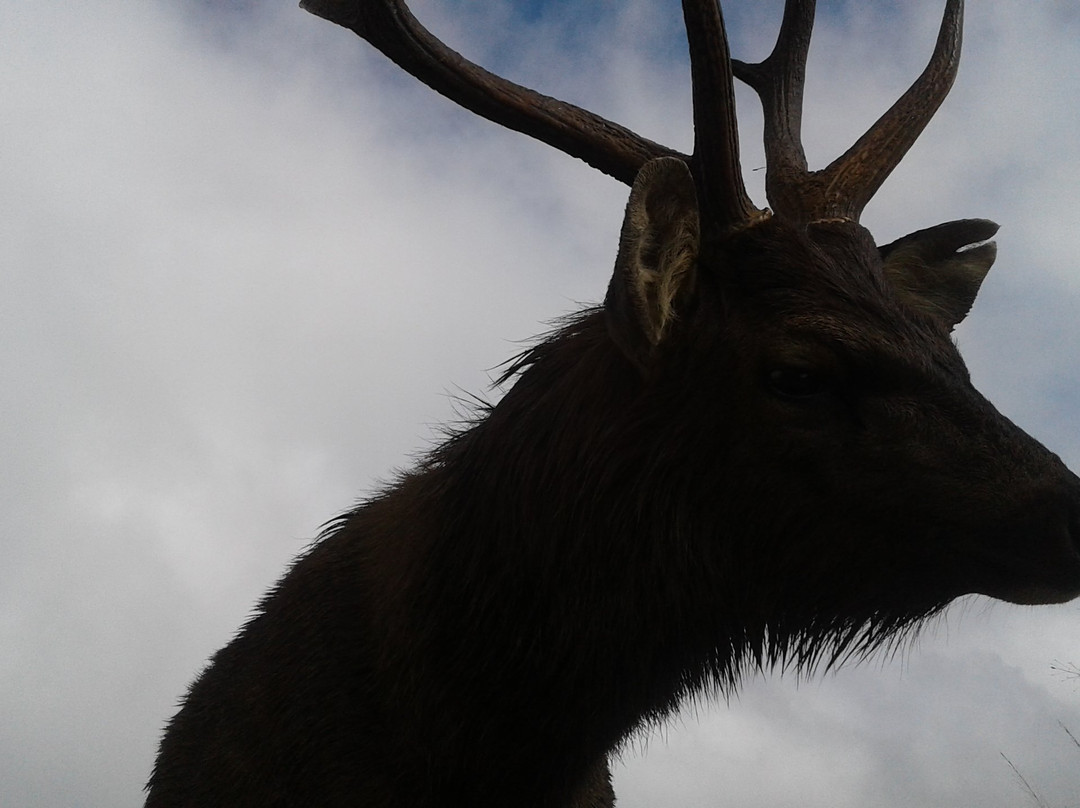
(245, 264)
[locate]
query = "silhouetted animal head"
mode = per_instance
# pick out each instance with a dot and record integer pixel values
(822, 363)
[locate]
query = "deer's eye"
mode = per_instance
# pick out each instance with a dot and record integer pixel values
(796, 382)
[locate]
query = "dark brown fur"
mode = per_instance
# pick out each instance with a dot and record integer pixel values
(609, 538)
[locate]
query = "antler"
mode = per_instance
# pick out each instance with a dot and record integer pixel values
(839, 191)
(391, 27)
(716, 137)
(842, 189)
(614, 149)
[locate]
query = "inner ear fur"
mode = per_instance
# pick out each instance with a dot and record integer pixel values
(656, 266)
(937, 270)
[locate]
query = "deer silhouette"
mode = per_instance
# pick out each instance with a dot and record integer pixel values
(763, 448)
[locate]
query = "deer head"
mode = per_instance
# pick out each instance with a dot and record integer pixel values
(842, 377)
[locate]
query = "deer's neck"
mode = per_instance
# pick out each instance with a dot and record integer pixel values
(554, 591)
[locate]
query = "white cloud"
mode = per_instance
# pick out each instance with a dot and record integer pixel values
(237, 279)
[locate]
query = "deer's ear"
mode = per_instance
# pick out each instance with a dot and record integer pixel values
(939, 270)
(656, 265)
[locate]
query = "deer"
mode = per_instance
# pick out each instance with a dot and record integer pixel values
(762, 449)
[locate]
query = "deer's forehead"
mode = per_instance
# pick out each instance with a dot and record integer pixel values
(820, 294)
(875, 343)
(862, 331)
(835, 260)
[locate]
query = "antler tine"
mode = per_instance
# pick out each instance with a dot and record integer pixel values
(842, 189)
(855, 176)
(724, 200)
(391, 27)
(779, 82)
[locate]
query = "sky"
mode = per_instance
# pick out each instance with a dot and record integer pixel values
(246, 265)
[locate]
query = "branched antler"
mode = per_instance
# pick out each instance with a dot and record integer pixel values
(842, 189)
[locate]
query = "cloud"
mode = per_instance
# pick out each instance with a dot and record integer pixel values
(896, 735)
(244, 260)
